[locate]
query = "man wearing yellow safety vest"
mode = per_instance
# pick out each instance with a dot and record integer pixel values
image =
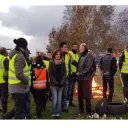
(66, 58)
(3, 79)
(72, 78)
(123, 66)
(18, 78)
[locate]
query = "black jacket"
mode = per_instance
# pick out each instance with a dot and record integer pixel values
(108, 66)
(6, 67)
(121, 60)
(86, 67)
(52, 74)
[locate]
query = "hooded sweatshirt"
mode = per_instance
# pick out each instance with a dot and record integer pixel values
(22, 87)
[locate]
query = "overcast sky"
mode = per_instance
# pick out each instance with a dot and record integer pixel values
(34, 23)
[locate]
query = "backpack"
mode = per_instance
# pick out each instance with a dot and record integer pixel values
(101, 107)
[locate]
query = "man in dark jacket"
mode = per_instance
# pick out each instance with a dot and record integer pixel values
(3, 79)
(109, 68)
(85, 73)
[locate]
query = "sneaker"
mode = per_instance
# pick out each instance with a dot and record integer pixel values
(125, 101)
(87, 116)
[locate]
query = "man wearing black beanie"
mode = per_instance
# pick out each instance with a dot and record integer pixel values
(18, 78)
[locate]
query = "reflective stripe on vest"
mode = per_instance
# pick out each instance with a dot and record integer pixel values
(124, 68)
(76, 58)
(2, 70)
(40, 82)
(12, 79)
(67, 63)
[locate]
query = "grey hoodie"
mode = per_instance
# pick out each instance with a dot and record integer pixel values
(22, 87)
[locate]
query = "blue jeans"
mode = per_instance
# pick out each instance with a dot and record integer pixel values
(56, 100)
(64, 96)
(27, 105)
(71, 86)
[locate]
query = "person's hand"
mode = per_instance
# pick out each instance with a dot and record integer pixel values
(78, 74)
(71, 58)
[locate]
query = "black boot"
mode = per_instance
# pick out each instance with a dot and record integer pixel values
(8, 115)
(4, 107)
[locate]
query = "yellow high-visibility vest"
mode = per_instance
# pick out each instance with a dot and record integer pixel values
(12, 79)
(2, 70)
(30, 82)
(76, 58)
(46, 63)
(124, 68)
(67, 63)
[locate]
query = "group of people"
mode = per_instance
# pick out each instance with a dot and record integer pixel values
(56, 75)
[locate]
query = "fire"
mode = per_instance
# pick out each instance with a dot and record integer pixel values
(76, 91)
(94, 83)
(96, 90)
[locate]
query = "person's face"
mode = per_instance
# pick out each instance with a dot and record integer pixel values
(64, 48)
(58, 56)
(49, 55)
(75, 47)
(81, 49)
(6, 53)
(37, 53)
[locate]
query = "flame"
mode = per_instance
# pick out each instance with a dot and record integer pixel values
(96, 90)
(94, 83)
(76, 91)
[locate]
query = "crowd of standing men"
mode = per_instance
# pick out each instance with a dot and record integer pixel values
(55, 75)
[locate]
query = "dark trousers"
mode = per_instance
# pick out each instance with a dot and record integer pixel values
(19, 104)
(85, 93)
(4, 96)
(125, 82)
(44, 100)
(39, 96)
(27, 105)
(71, 86)
(111, 88)
(64, 96)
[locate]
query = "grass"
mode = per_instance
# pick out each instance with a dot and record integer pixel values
(118, 96)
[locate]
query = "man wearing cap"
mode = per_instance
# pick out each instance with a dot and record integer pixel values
(18, 78)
